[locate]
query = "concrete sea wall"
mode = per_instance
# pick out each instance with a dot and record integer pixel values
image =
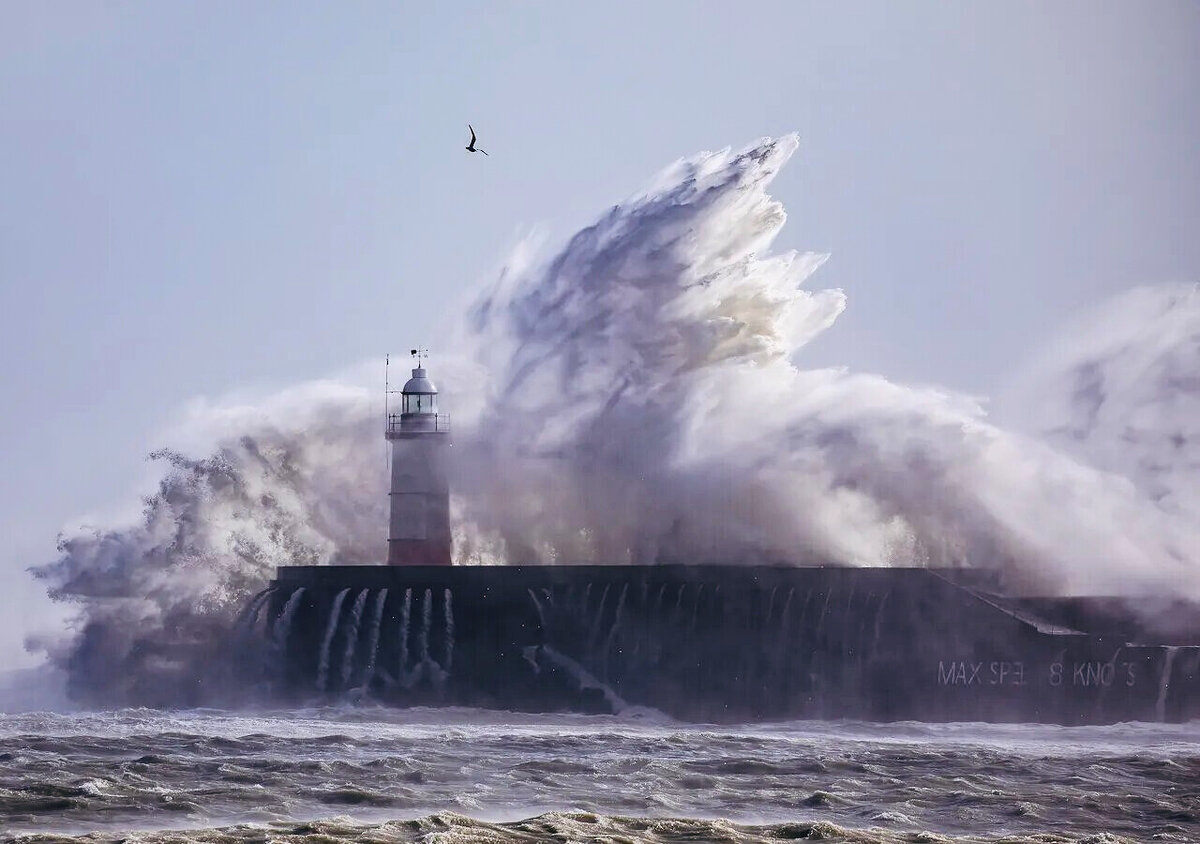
(725, 643)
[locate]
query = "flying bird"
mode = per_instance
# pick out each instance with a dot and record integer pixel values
(471, 146)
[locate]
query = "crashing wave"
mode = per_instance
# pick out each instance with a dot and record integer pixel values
(638, 397)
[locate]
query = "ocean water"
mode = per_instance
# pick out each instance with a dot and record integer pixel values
(381, 775)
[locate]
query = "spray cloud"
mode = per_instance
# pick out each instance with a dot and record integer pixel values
(639, 397)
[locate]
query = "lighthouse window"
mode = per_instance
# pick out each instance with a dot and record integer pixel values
(420, 403)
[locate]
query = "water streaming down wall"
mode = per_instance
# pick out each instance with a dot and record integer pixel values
(448, 639)
(351, 647)
(335, 615)
(282, 628)
(402, 652)
(369, 642)
(1170, 653)
(722, 643)
(426, 623)
(368, 673)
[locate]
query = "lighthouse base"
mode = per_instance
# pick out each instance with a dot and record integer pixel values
(418, 552)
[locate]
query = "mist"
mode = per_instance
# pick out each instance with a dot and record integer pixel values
(1119, 389)
(640, 395)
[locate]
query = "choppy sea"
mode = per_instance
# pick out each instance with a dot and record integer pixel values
(453, 775)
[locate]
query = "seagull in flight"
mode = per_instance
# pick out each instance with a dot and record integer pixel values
(471, 146)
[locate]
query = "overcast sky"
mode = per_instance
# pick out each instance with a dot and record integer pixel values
(204, 197)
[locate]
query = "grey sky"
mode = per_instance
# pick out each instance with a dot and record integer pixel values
(200, 197)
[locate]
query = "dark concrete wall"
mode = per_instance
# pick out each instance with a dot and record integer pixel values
(720, 643)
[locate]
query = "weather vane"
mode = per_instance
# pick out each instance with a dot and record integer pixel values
(420, 354)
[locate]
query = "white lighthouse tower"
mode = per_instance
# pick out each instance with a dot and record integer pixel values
(419, 525)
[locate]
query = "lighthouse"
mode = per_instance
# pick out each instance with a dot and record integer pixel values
(419, 523)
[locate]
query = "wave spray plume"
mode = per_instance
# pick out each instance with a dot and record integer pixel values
(639, 397)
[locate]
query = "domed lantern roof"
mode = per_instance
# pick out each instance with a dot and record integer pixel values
(419, 384)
